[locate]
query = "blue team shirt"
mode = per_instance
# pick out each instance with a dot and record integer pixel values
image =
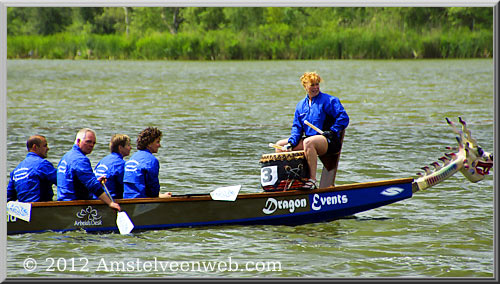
(325, 109)
(112, 166)
(32, 180)
(75, 177)
(141, 176)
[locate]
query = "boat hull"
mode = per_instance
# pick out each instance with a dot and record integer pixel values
(266, 208)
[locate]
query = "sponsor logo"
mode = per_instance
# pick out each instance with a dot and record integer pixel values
(131, 166)
(100, 171)
(62, 166)
(272, 205)
(20, 174)
(391, 191)
(327, 200)
(88, 217)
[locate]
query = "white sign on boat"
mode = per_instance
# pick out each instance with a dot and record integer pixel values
(227, 193)
(19, 210)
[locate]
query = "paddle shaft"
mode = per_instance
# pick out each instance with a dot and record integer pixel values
(107, 192)
(274, 146)
(119, 223)
(313, 127)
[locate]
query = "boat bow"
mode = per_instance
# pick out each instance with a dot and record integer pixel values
(469, 158)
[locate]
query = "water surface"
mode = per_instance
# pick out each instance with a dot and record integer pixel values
(217, 120)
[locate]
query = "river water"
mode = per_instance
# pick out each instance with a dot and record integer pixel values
(218, 118)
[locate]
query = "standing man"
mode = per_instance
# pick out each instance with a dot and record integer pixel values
(112, 166)
(75, 178)
(142, 169)
(323, 111)
(32, 179)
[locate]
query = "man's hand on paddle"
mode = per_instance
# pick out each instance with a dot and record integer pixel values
(102, 179)
(287, 148)
(115, 206)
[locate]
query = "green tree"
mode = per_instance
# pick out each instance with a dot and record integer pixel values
(473, 18)
(244, 19)
(102, 20)
(148, 20)
(204, 18)
(19, 21)
(40, 20)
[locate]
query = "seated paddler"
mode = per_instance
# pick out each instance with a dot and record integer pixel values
(32, 179)
(75, 177)
(113, 165)
(324, 111)
(141, 177)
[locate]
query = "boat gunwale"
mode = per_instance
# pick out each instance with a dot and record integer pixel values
(206, 196)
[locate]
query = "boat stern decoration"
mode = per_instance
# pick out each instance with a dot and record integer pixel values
(469, 158)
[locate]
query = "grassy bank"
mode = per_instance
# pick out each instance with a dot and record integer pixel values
(269, 42)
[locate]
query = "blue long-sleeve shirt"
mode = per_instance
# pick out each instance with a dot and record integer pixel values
(326, 112)
(112, 166)
(75, 177)
(141, 176)
(32, 180)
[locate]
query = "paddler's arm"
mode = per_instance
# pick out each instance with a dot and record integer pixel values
(104, 197)
(297, 130)
(341, 118)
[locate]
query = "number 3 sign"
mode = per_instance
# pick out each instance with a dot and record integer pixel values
(268, 175)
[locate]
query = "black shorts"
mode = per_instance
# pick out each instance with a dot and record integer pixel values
(333, 146)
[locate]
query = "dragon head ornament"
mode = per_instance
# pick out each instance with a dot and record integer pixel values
(468, 158)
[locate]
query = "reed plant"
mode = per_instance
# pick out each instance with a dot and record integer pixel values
(267, 42)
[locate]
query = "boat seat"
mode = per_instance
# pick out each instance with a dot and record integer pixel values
(330, 164)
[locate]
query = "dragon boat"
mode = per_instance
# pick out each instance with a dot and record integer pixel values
(285, 207)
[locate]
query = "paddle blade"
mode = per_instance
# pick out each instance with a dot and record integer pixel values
(124, 223)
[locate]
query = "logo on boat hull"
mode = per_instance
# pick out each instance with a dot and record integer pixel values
(327, 200)
(392, 191)
(88, 217)
(272, 205)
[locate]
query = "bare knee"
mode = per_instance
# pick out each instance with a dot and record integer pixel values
(309, 146)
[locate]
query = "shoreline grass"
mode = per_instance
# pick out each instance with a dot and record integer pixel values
(267, 44)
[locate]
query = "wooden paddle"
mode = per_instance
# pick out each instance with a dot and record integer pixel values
(275, 146)
(313, 127)
(123, 222)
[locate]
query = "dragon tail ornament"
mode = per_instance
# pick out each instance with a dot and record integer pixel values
(468, 158)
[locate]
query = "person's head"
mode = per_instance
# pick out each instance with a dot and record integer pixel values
(149, 139)
(120, 143)
(310, 81)
(86, 139)
(38, 145)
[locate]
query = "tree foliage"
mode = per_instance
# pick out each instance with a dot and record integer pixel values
(111, 20)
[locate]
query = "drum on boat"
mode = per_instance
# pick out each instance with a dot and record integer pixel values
(283, 171)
